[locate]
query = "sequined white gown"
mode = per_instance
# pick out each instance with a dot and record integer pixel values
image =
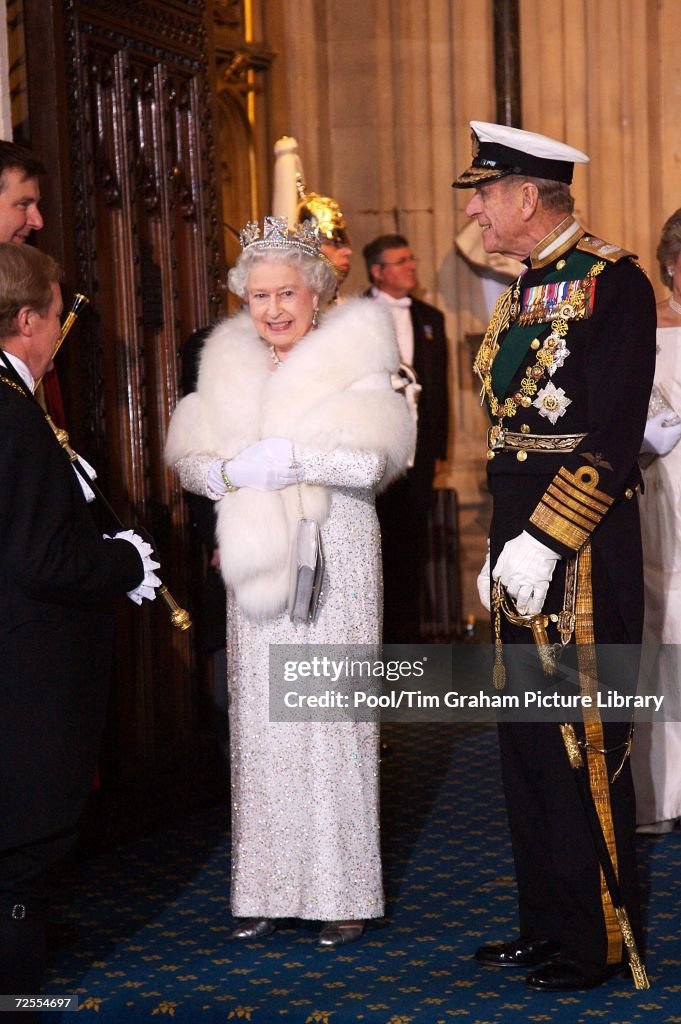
(656, 752)
(305, 796)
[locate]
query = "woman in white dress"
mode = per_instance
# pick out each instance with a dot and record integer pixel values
(287, 393)
(656, 752)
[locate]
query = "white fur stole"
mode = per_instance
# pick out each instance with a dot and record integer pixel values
(312, 399)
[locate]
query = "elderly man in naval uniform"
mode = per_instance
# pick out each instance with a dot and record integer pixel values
(566, 368)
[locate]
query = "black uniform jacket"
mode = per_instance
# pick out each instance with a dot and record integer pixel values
(57, 579)
(565, 499)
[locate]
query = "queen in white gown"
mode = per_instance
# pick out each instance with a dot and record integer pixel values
(288, 393)
(656, 751)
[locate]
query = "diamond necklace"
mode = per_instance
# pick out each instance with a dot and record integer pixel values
(673, 304)
(277, 361)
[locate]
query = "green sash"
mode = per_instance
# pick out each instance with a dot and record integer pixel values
(517, 341)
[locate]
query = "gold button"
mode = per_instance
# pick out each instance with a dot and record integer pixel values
(521, 456)
(490, 454)
(524, 428)
(535, 343)
(629, 494)
(526, 402)
(560, 264)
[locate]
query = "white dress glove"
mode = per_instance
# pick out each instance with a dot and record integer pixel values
(662, 433)
(484, 584)
(147, 588)
(266, 465)
(525, 567)
(406, 383)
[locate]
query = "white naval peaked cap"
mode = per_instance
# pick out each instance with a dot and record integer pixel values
(499, 150)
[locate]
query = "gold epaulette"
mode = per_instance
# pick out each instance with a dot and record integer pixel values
(604, 250)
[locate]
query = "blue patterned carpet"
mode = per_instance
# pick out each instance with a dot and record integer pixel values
(154, 919)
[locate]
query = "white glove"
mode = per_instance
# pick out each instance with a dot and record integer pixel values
(147, 588)
(485, 583)
(525, 567)
(662, 433)
(266, 465)
(276, 449)
(406, 383)
(88, 493)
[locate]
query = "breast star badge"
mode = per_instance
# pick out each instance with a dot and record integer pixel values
(551, 402)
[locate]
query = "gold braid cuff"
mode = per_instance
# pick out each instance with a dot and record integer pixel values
(571, 507)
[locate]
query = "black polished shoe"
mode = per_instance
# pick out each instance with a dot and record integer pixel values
(565, 975)
(521, 953)
(339, 933)
(253, 928)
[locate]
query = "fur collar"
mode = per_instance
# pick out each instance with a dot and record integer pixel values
(314, 399)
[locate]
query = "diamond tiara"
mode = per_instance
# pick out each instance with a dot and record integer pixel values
(276, 234)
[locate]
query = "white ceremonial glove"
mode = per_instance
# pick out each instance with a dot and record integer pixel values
(484, 584)
(405, 382)
(662, 433)
(88, 493)
(146, 590)
(525, 567)
(275, 449)
(266, 465)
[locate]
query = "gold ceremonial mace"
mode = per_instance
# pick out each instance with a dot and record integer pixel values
(79, 301)
(179, 617)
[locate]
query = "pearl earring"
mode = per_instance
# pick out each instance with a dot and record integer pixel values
(670, 271)
(315, 317)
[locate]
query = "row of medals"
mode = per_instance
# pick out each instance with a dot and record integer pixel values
(550, 356)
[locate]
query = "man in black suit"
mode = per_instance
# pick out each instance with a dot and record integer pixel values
(403, 508)
(58, 576)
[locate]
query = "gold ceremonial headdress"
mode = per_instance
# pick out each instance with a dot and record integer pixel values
(290, 198)
(325, 211)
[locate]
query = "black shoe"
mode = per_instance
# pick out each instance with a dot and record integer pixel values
(251, 928)
(565, 975)
(521, 953)
(338, 933)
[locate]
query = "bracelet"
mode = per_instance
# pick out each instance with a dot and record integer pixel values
(227, 482)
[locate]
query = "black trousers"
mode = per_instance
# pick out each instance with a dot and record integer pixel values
(557, 868)
(24, 874)
(403, 516)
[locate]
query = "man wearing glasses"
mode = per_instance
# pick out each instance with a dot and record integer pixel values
(403, 508)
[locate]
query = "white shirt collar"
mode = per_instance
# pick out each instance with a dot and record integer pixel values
(404, 303)
(22, 369)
